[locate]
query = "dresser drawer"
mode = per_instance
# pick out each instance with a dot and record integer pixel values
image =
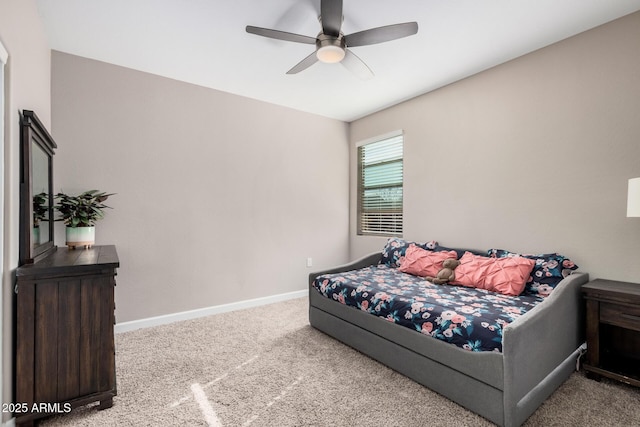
(620, 315)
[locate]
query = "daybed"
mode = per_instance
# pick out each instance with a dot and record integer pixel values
(536, 352)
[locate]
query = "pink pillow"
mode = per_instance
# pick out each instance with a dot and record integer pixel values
(421, 262)
(504, 275)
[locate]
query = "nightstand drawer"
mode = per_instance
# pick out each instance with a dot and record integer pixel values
(620, 315)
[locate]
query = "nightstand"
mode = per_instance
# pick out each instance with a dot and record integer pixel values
(613, 330)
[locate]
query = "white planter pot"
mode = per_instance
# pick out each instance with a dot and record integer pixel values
(80, 236)
(36, 236)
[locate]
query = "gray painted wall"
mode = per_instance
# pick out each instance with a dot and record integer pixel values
(533, 155)
(220, 198)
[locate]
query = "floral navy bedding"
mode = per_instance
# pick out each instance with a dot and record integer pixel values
(467, 316)
(470, 318)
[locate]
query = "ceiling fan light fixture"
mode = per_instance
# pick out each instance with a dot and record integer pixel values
(330, 54)
(330, 49)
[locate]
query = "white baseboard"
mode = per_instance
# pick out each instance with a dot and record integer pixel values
(207, 311)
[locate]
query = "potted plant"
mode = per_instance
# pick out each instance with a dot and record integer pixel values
(79, 214)
(39, 214)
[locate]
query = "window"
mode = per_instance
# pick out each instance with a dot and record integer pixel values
(380, 186)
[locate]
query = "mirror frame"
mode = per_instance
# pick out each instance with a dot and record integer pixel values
(32, 132)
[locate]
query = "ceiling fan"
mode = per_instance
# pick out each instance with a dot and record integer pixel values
(332, 45)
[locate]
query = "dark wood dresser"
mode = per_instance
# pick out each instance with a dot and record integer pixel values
(613, 330)
(65, 354)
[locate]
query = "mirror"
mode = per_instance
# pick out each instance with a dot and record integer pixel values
(40, 191)
(36, 189)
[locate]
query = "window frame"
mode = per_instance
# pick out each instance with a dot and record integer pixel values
(363, 231)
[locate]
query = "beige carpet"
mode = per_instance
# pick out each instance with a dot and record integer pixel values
(267, 367)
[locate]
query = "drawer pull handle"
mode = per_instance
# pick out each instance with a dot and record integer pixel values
(630, 317)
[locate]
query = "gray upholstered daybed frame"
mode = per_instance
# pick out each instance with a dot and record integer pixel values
(540, 350)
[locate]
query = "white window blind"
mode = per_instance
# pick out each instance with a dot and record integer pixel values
(380, 179)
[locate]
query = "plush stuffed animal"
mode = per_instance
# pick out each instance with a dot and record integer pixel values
(447, 272)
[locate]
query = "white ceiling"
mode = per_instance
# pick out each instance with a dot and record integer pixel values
(204, 42)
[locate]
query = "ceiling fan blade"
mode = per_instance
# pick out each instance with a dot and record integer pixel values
(304, 64)
(357, 66)
(381, 34)
(331, 16)
(280, 35)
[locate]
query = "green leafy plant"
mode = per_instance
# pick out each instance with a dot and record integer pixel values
(82, 210)
(39, 208)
